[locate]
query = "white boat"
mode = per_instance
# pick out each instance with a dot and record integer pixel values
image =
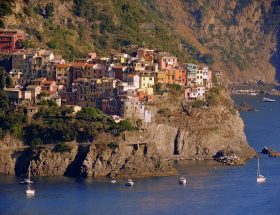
(182, 180)
(260, 178)
(27, 180)
(253, 94)
(268, 100)
(129, 183)
(29, 191)
(113, 181)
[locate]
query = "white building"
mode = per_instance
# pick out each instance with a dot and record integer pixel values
(195, 93)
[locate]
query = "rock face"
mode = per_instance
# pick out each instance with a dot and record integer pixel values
(199, 134)
(101, 160)
(125, 161)
(200, 137)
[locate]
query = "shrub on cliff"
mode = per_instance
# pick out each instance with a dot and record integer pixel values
(89, 114)
(36, 142)
(62, 148)
(198, 104)
(164, 112)
(214, 95)
(125, 125)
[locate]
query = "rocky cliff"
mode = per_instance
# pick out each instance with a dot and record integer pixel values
(96, 160)
(199, 133)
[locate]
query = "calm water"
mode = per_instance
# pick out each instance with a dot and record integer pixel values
(209, 190)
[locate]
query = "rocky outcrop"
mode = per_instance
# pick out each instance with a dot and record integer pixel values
(199, 134)
(95, 160)
(125, 161)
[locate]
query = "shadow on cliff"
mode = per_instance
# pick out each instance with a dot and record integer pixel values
(23, 159)
(75, 167)
(275, 59)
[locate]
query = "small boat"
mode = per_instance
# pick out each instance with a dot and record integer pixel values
(182, 180)
(268, 100)
(253, 94)
(129, 183)
(29, 191)
(260, 178)
(113, 181)
(27, 180)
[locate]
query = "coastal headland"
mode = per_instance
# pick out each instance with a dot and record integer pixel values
(181, 133)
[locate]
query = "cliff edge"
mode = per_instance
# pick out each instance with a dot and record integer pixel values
(179, 132)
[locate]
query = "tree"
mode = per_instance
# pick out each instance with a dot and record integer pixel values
(49, 9)
(89, 114)
(4, 102)
(36, 142)
(2, 78)
(125, 125)
(9, 81)
(61, 148)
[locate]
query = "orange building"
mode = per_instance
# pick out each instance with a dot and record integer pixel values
(175, 76)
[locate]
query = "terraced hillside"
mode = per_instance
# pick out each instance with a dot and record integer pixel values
(235, 36)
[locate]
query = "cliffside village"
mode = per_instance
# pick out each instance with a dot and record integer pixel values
(120, 85)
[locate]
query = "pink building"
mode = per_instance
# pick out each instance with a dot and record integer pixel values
(166, 60)
(49, 87)
(9, 39)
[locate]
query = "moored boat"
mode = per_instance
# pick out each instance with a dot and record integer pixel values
(182, 180)
(27, 180)
(113, 181)
(29, 191)
(268, 100)
(260, 178)
(129, 183)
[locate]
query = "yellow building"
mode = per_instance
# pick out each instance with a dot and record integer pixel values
(160, 77)
(147, 81)
(62, 73)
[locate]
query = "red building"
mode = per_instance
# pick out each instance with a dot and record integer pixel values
(9, 39)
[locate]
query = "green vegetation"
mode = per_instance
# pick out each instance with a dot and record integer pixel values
(36, 142)
(2, 78)
(214, 95)
(165, 112)
(175, 87)
(100, 25)
(62, 148)
(10, 121)
(124, 125)
(5, 79)
(5, 9)
(197, 55)
(112, 146)
(54, 125)
(198, 103)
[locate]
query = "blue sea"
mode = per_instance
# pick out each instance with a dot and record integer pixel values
(210, 189)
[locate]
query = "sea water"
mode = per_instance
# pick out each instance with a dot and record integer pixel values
(210, 188)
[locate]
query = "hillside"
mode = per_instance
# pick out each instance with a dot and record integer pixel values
(236, 36)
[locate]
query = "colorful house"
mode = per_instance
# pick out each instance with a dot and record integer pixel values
(9, 39)
(195, 93)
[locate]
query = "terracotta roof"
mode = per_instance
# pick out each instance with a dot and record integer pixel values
(63, 65)
(119, 67)
(130, 75)
(90, 65)
(47, 82)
